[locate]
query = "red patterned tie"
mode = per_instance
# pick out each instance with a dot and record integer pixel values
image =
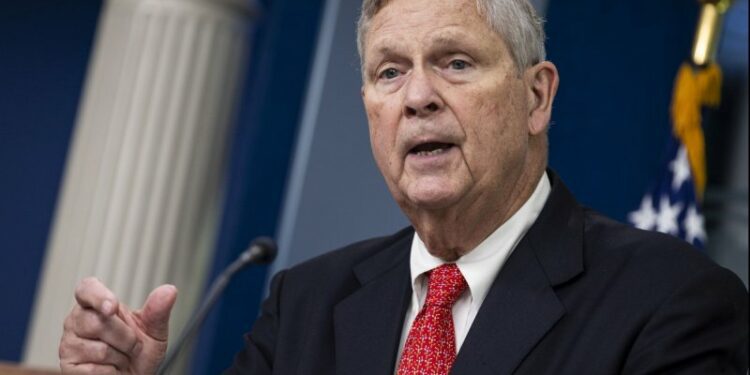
(430, 348)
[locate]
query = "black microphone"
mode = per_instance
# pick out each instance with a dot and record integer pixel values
(261, 251)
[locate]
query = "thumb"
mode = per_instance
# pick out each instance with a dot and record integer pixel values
(155, 312)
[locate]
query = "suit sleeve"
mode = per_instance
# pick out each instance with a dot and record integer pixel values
(702, 328)
(257, 356)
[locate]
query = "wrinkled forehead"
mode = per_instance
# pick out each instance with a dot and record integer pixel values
(402, 21)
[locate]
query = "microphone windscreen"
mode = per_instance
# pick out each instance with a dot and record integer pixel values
(263, 250)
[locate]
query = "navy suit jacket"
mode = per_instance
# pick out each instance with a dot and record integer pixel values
(581, 294)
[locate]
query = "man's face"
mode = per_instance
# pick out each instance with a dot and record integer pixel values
(448, 110)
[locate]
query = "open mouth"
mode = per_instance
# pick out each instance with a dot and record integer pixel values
(430, 148)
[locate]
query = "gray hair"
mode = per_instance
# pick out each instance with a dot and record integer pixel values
(514, 20)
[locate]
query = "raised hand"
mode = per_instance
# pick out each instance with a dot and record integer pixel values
(102, 336)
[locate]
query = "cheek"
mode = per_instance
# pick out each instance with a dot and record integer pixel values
(502, 110)
(381, 138)
(488, 124)
(377, 144)
(496, 130)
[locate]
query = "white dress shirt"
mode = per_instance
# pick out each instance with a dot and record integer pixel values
(479, 266)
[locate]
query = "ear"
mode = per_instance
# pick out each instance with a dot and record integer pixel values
(541, 80)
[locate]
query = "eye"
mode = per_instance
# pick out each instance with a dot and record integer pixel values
(389, 73)
(458, 64)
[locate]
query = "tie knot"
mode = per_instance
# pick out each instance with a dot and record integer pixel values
(446, 285)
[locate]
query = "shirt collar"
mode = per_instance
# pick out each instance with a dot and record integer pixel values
(481, 265)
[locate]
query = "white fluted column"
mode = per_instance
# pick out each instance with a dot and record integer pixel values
(140, 200)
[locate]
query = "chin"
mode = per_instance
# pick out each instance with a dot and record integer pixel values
(429, 193)
(433, 199)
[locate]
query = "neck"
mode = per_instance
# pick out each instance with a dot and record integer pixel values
(453, 232)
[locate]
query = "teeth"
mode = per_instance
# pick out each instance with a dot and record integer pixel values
(430, 153)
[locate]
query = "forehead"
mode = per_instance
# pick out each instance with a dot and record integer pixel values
(421, 21)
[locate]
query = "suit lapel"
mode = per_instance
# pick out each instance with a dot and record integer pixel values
(519, 309)
(368, 323)
(522, 305)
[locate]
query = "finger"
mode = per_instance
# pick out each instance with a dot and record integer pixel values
(75, 351)
(154, 315)
(91, 293)
(89, 324)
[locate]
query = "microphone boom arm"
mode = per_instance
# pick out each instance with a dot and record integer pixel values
(262, 251)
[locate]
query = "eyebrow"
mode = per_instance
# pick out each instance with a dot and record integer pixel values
(441, 41)
(446, 40)
(389, 47)
(386, 48)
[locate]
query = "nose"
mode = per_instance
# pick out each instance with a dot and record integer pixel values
(421, 98)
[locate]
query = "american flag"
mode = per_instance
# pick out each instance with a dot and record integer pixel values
(671, 205)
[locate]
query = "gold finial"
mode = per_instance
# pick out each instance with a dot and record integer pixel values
(708, 30)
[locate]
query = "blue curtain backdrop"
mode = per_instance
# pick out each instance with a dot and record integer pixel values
(617, 61)
(44, 53)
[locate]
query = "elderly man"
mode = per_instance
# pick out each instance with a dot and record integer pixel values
(503, 272)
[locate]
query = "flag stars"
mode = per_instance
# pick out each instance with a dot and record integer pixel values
(680, 168)
(666, 220)
(645, 216)
(694, 228)
(670, 205)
